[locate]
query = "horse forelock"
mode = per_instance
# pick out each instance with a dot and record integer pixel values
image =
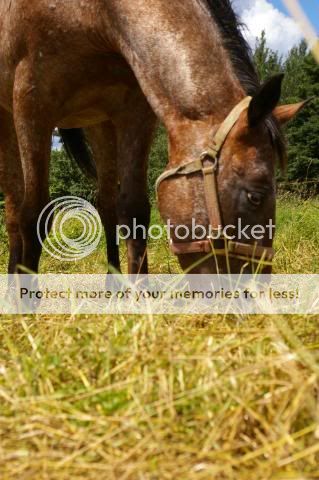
(231, 30)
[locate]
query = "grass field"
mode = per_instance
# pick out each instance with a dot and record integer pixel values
(163, 397)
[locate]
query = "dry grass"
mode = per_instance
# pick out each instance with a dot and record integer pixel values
(162, 397)
(159, 398)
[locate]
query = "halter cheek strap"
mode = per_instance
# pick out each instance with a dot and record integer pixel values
(207, 164)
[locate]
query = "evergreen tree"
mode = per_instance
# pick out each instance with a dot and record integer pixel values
(295, 74)
(267, 61)
(302, 83)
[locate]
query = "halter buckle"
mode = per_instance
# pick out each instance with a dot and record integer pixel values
(211, 156)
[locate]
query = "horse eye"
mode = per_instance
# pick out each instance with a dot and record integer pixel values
(255, 198)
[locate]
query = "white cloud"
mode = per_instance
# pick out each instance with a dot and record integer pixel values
(241, 5)
(282, 32)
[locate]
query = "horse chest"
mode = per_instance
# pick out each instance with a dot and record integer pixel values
(93, 105)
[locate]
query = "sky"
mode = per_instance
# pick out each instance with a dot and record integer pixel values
(282, 32)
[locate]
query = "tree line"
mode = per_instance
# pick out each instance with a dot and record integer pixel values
(301, 82)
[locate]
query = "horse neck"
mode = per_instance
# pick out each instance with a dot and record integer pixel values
(176, 52)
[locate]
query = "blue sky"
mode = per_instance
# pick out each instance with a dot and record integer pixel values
(311, 7)
(282, 31)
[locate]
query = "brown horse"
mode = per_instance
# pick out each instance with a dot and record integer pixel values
(123, 64)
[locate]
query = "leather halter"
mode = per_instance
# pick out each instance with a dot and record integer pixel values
(207, 164)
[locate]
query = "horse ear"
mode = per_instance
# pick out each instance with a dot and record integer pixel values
(265, 101)
(286, 113)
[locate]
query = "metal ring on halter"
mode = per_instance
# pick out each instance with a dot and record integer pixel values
(209, 155)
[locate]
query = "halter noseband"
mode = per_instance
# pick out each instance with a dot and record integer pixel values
(207, 164)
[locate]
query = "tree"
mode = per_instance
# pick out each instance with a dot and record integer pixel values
(295, 74)
(267, 61)
(67, 179)
(302, 83)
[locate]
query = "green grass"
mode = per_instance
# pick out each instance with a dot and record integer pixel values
(165, 397)
(296, 244)
(297, 239)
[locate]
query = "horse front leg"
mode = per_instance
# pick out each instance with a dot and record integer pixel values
(11, 183)
(135, 133)
(33, 129)
(12, 212)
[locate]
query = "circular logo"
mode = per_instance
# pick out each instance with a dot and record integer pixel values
(76, 228)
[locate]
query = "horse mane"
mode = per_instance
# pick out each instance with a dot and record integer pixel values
(231, 29)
